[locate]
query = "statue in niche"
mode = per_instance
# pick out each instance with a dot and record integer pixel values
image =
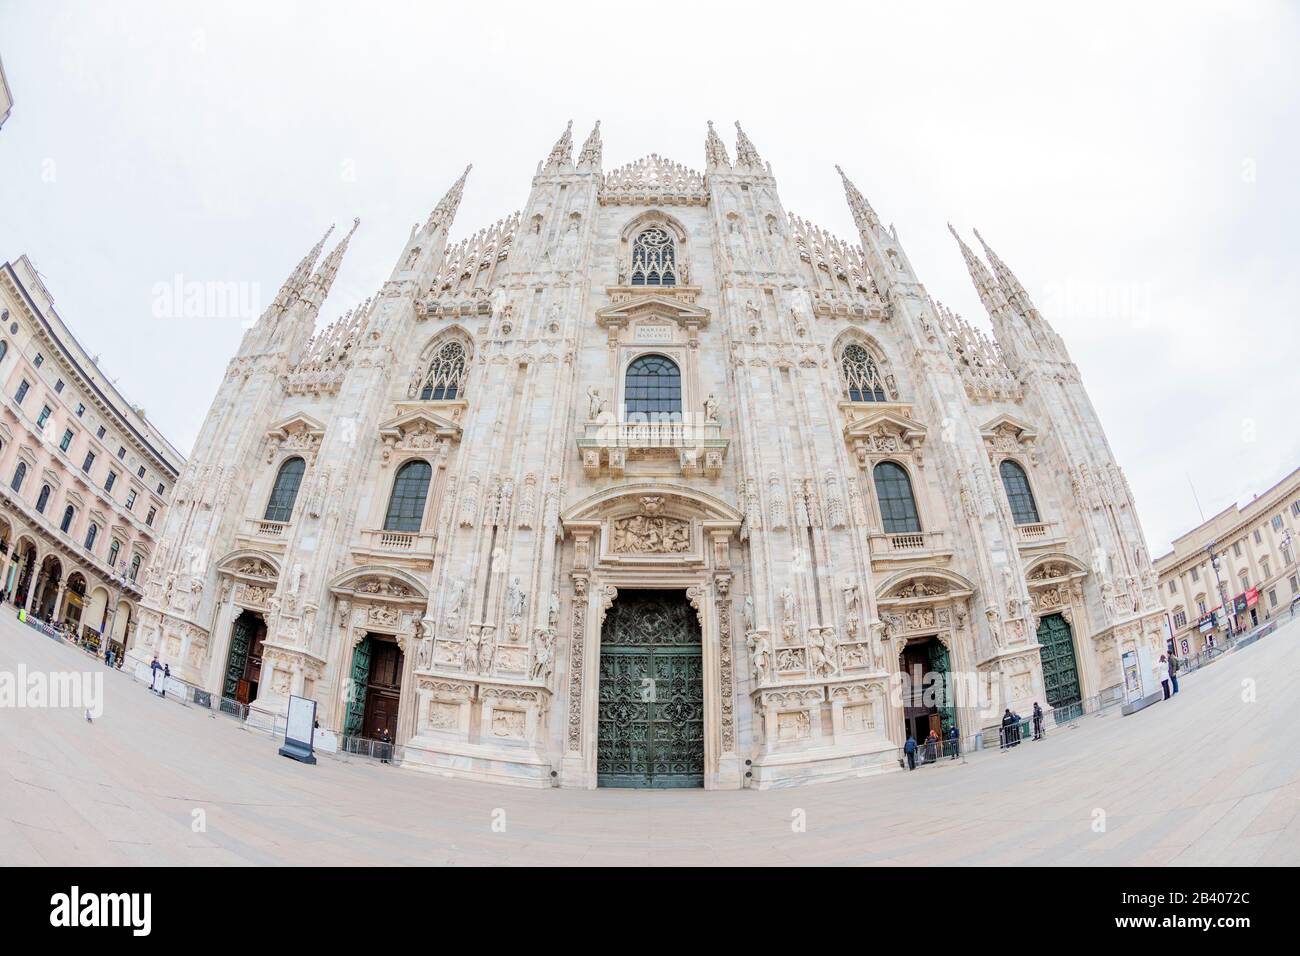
(451, 614)
(471, 655)
(851, 609)
(711, 408)
(515, 598)
(596, 404)
(543, 654)
(748, 612)
(760, 655)
(553, 611)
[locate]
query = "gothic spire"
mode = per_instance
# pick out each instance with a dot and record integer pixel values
(990, 292)
(863, 215)
(562, 151)
(1019, 299)
(445, 211)
(590, 155)
(329, 268)
(715, 153)
(746, 154)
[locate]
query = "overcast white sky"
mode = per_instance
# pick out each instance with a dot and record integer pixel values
(1135, 164)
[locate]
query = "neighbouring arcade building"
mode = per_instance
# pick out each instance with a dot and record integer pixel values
(85, 478)
(652, 483)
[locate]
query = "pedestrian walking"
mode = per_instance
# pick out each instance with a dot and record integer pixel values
(909, 748)
(167, 673)
(1038, 721)
(154, 668)
(1162, 675)
(931, 743)
(954, 742)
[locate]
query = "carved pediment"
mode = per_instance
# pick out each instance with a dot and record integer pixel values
(668, 304)
(249, 564)
(1008, 434)
(884, 432)
(422, 429)
(298, 432)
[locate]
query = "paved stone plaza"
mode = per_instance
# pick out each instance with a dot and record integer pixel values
(1203, 779)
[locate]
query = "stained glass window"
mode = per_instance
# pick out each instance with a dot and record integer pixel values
(861, 375)
(654, 258)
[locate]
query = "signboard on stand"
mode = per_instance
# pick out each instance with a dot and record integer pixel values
(300, 730)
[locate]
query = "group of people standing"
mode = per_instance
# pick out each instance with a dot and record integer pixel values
(952, 744)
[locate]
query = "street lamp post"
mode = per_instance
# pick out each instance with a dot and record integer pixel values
(118, 577)
(1223, 597)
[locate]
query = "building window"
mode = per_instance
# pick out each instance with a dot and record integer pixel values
(121, 453)
(141, 471)
(130, 499)
(1173, 585)
(1200, 606)
(1263, 565)
(445, 377)
(66, 441)
(113, 550)
(81, 410)
(68, 514)
(285, 492)
(654, 258)
(58, 386)
(1180, 618)
(1294, 581)
(160, 487)
(100, 433)
(406, 503)
(90, 536)
(894, 493)
(653, 390)
(153, 513)
(19, 474)
(22, 391)
(43, 499)
(39, 360)
(1236, 549)
(135, 567)
(1196, 574)
(1272, 597)
(110, 481)
(1259, 538)
(4, 349)
(43, 417)
(861, 376)
(90, 460)
(1021, 499)
(1295, 505)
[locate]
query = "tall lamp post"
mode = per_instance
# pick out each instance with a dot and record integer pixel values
(1223, 597)
(118, 577)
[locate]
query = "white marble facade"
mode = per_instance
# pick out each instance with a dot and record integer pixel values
(805, 362)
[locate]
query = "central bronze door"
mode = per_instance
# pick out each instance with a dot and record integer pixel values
(651, 715)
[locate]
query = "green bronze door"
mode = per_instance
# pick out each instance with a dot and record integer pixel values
(650, 729)
(1060, 672)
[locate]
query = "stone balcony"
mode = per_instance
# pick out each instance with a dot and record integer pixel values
(911, 548)
(387, 547)
(1040, 534)
(617, 447)
(264, 535)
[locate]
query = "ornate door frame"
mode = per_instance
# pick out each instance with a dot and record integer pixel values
(604, 558)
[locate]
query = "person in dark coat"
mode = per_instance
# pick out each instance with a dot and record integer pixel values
(386, 738)
(932, 747)
(1038, 721)
(1173, 671)
(909, 748)
(954, 741)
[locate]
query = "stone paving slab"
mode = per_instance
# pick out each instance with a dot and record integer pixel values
(1191, 781)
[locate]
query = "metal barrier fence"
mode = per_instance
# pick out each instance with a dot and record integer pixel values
(234, 708)
(365, 747)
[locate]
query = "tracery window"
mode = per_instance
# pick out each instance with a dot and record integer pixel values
(285, 493)
(654, 258)
(445, 378)
(1019, 495)
(653, 390)
(894, 493)
(861, 376)
(406, 503)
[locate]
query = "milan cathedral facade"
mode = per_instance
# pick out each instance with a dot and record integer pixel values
(652, 483)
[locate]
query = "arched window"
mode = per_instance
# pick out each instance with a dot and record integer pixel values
(1021, 499)
(19, 474)
(90, 536)
(861, 376)
(43, 499)
(135, 567)
(653, 390)
(894, 492)
(68, 514)
(113, 549)
(445, 378)
(654, 258)
(4, 349)
(406, 503)
(285, 492)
